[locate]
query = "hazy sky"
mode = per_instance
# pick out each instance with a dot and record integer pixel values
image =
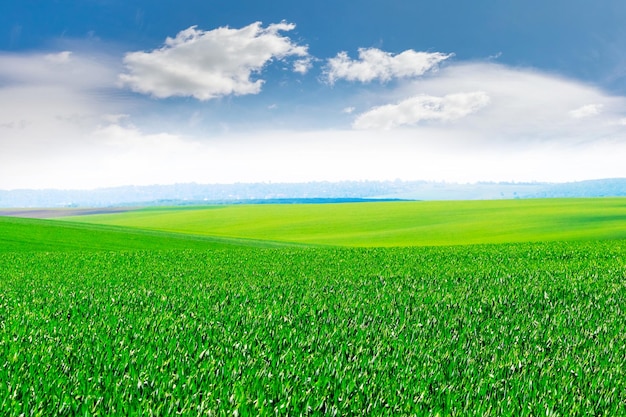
(115, 92)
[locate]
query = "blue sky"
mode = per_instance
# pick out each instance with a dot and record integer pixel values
(104, 92)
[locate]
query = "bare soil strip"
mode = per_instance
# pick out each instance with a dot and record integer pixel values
(61, 212)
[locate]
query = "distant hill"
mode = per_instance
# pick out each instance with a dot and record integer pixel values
(613, 187)
(191, 193)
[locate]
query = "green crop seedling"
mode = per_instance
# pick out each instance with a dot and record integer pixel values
(171, 323)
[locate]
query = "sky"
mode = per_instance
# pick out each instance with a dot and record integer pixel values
(101, 93)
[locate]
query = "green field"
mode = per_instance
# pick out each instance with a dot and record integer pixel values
(236, 311)
(391, 224)
(24, 235)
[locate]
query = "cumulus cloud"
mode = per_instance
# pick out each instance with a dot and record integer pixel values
(423, 107)
(211, 64)
(375, 64)
(302, 66)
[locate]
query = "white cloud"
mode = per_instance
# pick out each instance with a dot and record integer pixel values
(49, 105)
(64, 69)
(107, 156)
(53, 99)
(302, 66)
(210, 64)
(423, 107)
(525, 107)
(61, 57)
(115, 118)
(55, 132)
(375, 64)
(586, 111)
(122, 155)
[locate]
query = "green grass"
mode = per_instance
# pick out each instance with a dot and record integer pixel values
(391, 224)
(209, 311)
(524, 329)
(19, 235)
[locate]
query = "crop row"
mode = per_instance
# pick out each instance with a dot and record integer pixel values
(525, 329)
